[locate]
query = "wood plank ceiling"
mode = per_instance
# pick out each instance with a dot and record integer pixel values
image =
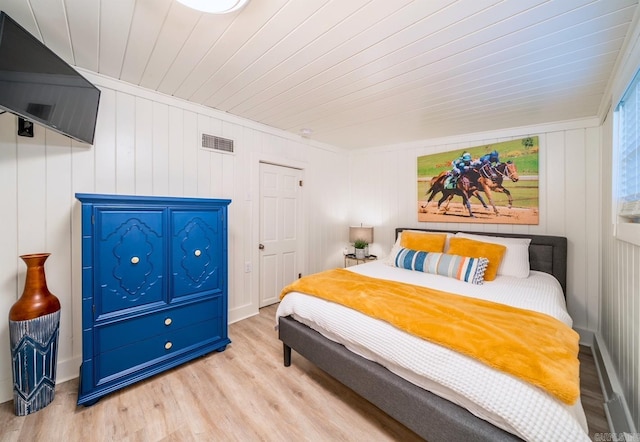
(358, 73)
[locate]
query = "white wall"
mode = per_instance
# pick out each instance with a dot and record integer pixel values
(620, 310)
(384, 194)
(147, 144)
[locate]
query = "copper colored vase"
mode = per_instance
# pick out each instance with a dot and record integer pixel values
(34, 324)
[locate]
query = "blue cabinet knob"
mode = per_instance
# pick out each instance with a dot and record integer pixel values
(168, 345)
(135, 260)
(167, 321)
(197, 252)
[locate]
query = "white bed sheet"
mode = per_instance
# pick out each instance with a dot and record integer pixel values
(502, 399)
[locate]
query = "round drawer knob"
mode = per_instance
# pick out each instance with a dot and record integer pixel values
(135, 260)
(167, 321)
(197, 253)
(168, 345)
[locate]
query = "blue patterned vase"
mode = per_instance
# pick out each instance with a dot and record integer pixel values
(34, 325)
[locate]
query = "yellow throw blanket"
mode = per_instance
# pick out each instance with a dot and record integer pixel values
(532, 346)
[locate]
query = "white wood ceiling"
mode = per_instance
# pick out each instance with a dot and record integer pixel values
(357, 72)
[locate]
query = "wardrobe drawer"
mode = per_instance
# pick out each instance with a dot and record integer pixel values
(128, 331)
(143, 355)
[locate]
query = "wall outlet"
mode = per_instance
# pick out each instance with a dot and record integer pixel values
(247, 267)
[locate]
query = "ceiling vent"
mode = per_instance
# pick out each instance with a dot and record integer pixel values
(219, 144)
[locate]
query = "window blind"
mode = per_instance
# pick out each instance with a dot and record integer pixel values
(629, 151)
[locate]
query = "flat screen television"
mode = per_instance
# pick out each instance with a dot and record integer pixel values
(39, 86)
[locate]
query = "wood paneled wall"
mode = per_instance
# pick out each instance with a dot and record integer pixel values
(384, 194)
(148, 144)
(620, 311)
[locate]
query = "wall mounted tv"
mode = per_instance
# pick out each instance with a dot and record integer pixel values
(39, 86)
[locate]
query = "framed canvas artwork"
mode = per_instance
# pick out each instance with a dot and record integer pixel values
(494, 184)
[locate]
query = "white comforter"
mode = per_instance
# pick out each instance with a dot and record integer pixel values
(500, 398)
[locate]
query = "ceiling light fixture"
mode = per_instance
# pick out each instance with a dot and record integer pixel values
(306, 132)
(215, 6)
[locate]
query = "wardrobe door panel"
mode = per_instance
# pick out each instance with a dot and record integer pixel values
(196, 253)
(130, 258)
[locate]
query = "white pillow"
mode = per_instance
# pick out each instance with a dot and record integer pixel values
(391, 257)
(516, 258)
(396, 246)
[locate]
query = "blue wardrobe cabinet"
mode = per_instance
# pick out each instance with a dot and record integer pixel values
(154, 287)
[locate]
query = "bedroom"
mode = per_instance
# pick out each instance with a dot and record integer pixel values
(146, 145)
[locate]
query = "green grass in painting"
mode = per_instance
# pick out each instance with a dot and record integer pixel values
(524, 157)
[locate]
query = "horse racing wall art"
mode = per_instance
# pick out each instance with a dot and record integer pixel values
(492, 184)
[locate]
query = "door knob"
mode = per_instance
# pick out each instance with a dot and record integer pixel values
(261, 246)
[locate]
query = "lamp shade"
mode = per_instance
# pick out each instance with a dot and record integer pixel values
(360, 232)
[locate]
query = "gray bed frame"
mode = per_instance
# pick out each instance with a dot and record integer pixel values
(428, 415)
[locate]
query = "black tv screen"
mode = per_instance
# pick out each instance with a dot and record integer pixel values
(39, 86)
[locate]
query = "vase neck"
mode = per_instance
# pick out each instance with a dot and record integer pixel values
(36, 300)
(36, 278)
(35, 270)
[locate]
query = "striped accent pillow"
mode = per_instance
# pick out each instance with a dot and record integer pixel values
(454, 266)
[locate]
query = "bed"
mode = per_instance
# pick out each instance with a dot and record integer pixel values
(435, 411)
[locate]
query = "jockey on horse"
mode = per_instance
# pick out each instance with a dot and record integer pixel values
(492, 159)
(462, 164)
(449, 178)
(486, 163)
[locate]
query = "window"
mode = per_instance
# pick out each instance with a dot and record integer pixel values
(629, 151)
(628, 162)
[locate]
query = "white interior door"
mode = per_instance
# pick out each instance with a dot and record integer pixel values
(279, 229)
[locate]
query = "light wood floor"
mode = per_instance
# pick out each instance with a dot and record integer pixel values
(243, 394)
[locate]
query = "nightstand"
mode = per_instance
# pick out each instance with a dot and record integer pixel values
(351, 260)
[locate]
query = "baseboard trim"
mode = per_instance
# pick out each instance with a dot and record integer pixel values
(615, 405)
(6, 390)
(586, 337)
(244, 312)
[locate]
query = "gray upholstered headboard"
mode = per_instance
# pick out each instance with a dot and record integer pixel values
(546, 253)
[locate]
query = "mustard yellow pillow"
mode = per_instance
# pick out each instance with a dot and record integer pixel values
(479, 249)
(422, 241)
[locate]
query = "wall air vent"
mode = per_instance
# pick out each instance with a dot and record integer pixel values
(219, 144)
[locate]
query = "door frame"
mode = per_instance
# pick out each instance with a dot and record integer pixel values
(254, 197)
